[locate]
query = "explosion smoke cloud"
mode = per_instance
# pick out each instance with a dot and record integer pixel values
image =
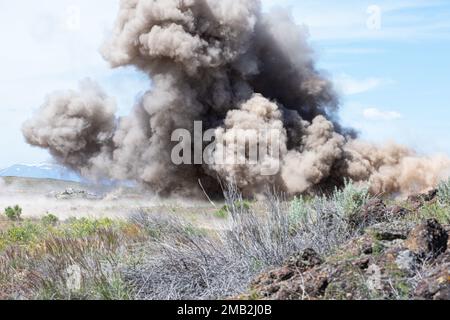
(227, 64)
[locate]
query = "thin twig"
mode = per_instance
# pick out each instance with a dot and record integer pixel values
(206, 194)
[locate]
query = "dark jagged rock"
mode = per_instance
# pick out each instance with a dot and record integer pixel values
(431, 196)
(429, 239)
(398, 211)
(362, 264)
(308, 259)
(390, 231)
(419, 200)
(374, 211)
(272, 284)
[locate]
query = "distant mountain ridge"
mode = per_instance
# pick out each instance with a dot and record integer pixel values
(40, 171)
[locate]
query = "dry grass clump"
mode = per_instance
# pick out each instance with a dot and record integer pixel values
(78, 259)
(182, 262)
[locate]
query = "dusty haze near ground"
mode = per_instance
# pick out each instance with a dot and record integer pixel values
(39, 197)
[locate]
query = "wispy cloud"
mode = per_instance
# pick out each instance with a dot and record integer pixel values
(349, 85)
(377, 114)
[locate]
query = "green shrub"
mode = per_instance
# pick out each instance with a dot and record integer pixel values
(85, 227)
(49, 220)
(112, 288)
(13, 213)
(3, 243)
(242, 205)
(350, 199)
(435, 211)
(444, 193)
(23, 234)
(222, 213)
(298, 211)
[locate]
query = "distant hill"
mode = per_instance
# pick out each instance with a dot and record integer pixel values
(40, 171)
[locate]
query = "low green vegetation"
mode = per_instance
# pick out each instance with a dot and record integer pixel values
(74, 259)
(299, 210)
(85, 227)
(50, 219)
(240, 205)
(222, 213)
(438, 208)
(13, 213)
(443, 194)
(435, 210)
(22, 234)
(350, 199)
(343, 203)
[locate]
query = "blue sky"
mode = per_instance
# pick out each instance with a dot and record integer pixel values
(389, 59)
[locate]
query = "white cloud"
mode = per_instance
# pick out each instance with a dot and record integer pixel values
(351, 86)
(376, 114)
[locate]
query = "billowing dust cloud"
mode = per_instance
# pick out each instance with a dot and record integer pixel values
(227, 64)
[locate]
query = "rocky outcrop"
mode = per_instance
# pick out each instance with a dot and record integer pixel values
(384, 263)
(428, 239)
(376, 211)
(73, 194)
(373, 211)
(418, 201)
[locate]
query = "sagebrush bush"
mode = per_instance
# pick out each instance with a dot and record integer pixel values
(177, 264)
(181, 264)
(49, 219)
(222, 213)
(84, 227)
(324, 222)
(13, 213)
(23, 234)
(443, 194)
(435, 211)
(42, 256)
(299, 211)
(350, 199)
(324, 228)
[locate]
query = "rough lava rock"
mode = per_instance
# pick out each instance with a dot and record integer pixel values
(273, 284)
(383, 263)
(397, 211)
(436, 282)
(374, 211)
(391, 231)
(429, 239)
(420, 200)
